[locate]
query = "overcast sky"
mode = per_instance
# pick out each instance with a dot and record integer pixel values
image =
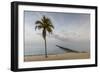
(72, 30)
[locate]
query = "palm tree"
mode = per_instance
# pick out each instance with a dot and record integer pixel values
(45, 25)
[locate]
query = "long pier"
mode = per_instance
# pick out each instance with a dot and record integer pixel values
(67, 49)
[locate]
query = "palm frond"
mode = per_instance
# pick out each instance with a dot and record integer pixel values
(51, 26)
(39, 22)
(36, 27)
(49, 23)
(39, 27)
(49, 30)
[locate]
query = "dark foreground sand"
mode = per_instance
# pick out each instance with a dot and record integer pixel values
(65, 56)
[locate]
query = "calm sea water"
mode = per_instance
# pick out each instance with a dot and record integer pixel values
(41, 51)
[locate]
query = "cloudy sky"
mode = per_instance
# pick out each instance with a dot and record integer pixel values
(72, 30)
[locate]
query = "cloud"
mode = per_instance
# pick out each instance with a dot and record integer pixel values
(69, 36)
(60, 37)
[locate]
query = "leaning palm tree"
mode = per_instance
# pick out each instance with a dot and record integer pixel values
(45, 25)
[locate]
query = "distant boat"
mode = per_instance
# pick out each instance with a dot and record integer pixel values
(67, 49)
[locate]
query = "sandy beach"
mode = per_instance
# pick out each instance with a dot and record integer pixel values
(65, 56)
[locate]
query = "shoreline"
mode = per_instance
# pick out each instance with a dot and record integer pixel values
(65, 56)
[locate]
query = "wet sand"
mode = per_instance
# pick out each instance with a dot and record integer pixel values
(65, 56)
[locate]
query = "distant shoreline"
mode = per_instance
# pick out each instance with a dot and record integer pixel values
(65, 56)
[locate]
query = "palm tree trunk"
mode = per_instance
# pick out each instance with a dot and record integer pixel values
(45, 48)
